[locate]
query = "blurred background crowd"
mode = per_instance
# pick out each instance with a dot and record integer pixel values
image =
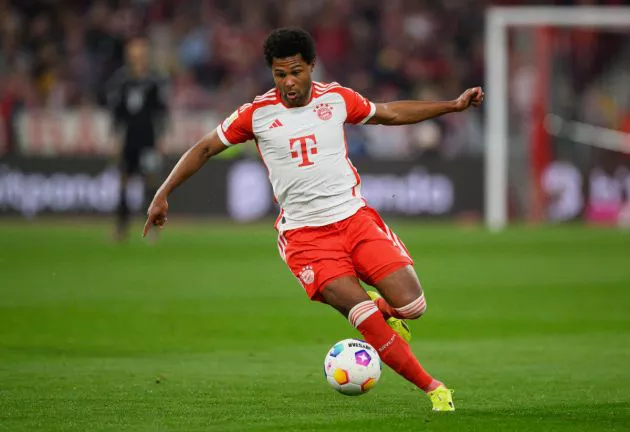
(60, 54)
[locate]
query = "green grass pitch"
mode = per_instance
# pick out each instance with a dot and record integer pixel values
(208, 331)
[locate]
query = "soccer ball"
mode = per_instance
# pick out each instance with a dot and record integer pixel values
(352, 367)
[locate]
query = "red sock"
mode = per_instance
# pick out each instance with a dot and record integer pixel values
(395, 352)
(386, 309)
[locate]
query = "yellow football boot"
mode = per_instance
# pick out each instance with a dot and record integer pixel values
(398, 325)
(442, 399)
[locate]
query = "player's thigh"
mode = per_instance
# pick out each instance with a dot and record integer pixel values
(316, 259)
(344, 293)
(383, 261)
(400, 287)
(376, 249)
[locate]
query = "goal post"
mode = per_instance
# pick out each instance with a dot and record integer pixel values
(498, 21)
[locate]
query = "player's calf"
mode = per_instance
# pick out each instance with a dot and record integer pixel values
(392, 349)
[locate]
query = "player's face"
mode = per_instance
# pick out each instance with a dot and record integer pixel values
(292, 76)
(138, 55)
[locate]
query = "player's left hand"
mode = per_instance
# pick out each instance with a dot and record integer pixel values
(471, 97)
(156, 215)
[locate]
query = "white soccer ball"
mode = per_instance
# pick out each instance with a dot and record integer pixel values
(352, 367)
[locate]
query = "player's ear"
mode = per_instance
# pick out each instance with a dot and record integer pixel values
(312, 66)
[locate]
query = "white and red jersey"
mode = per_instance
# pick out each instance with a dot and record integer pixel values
(305, 151)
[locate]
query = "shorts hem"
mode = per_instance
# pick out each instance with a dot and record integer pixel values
(385, 271)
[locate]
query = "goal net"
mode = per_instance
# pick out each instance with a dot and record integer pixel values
(557, 115)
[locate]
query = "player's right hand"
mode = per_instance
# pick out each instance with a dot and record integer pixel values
(156, 215)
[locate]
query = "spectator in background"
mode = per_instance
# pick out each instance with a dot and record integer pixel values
(103, 46)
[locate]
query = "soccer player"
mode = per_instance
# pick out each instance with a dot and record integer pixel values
(327, 234)
(136, 98)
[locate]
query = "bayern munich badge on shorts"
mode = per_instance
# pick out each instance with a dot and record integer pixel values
(307, 275)
(324, 111)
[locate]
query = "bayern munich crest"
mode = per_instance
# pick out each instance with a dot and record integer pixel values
(324, 111)
(307, 275)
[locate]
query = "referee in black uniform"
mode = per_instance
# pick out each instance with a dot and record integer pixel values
(137, 102)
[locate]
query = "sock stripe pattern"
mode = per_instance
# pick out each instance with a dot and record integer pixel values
(413, 309)
(361, 311)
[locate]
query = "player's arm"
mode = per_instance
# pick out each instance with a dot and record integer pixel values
(187, 165)
(409, 112)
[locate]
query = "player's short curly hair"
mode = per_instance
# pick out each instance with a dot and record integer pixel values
(287, 42)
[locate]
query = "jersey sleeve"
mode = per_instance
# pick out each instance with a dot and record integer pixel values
(358, 108)
(237, 128)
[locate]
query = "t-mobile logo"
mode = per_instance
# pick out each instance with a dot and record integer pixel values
(302, 149)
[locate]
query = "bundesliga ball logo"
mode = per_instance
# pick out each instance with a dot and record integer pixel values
(324, 111)
(352, 367)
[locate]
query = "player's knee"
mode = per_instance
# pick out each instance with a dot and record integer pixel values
(413, 310)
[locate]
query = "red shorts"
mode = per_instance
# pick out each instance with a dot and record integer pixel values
(361, 245)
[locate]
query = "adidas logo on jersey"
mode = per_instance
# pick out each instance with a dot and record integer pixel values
(276, 123)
